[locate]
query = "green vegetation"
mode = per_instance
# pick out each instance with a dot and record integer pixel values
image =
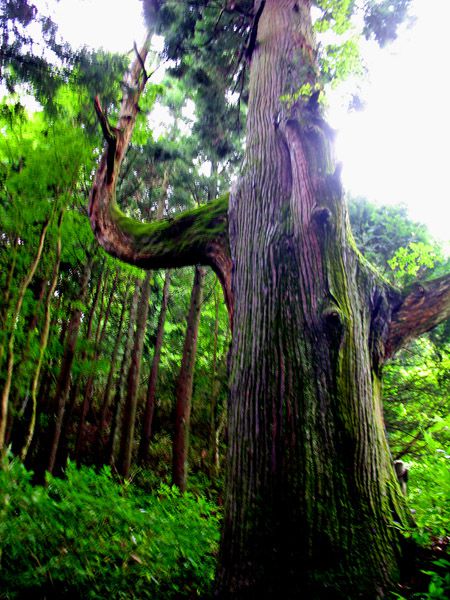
(73, 522)
(87, 536)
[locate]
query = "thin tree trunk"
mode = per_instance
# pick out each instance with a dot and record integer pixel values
(43, 343)
(15, 315)
(107, 393)
(114, 435)
(63, 384)
(129, 416)
(6, 302)
(151, 390)
(102, 335)
(6, 292)
(185, 384)
(215, 388)
(89, 388)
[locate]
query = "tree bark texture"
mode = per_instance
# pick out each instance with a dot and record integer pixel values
(129, 415)
(151, 389)
(198, 236)
(311, 496)
(310, 484)
(183, 395)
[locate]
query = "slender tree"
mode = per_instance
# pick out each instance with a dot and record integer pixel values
(129, 414)
(15, 315)
(153, 378)
(114, 435)
(63, 384)
(183, 394)
(43, 343)
(310, 482)
(106, 400)
(89, 388)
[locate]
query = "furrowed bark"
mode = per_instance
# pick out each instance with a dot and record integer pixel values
(422, 307)
(198, 236)
(310, 483)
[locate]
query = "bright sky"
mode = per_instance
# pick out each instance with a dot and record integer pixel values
(396, 150)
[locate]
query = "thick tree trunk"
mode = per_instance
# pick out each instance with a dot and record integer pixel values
(129, 416)
(312, 498)
(311, 491)
(183, 395)
(151, 389)
(63, 384)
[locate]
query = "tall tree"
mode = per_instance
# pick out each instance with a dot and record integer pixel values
(129, 414)
(43, 343)
(63, 384)
(310, 483)
(185, 382)
(14, 317)
(114, 435)
(149, 411)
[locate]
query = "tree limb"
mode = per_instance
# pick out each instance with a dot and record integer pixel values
(422, 307)
(198, 236)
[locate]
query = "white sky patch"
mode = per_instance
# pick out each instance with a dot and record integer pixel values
(188, 110)
(205, 168)
(113, 25)
(396, 150)
(160, 120)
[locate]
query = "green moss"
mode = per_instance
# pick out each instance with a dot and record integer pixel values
(181, 232)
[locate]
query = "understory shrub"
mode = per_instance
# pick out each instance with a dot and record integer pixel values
(88, 536)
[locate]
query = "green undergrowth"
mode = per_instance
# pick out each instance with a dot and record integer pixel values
(429, 499)
(87, 536)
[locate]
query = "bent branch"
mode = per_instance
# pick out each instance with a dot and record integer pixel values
(197, 236)
(422, 307)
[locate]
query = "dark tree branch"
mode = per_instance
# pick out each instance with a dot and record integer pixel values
(194, 237)
(422, 307)
(142, 63)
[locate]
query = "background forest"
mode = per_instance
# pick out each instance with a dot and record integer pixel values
(110, 375)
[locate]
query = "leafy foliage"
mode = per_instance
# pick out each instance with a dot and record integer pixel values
(87, 536)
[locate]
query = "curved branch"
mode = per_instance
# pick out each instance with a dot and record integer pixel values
(194, 237)
(422, 307)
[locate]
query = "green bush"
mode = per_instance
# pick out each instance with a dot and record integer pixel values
(87, 536)
(428, 496)
(429, 489)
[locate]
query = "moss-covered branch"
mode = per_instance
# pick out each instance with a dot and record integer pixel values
(423, 306)
(198, 236)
